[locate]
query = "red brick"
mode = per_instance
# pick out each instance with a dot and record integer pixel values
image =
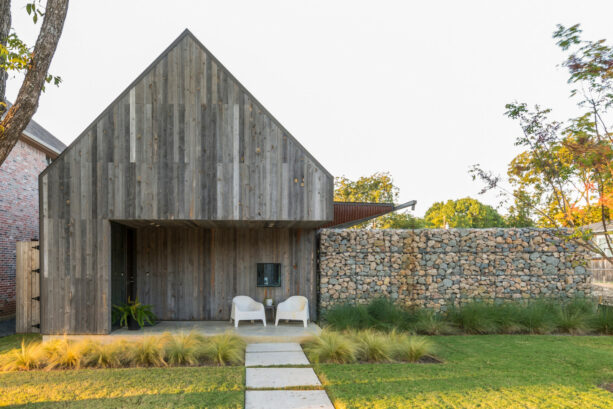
(18, 213)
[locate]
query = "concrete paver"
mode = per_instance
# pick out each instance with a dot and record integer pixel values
(275, 358)
(287, 400)
(274, 347)
(281, 377)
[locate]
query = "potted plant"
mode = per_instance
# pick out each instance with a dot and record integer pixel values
(133, 314)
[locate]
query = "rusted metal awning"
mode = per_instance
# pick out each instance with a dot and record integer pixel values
(347, 214)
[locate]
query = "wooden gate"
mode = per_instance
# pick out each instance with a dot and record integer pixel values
(28, 287)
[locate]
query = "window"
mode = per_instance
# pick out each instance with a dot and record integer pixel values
(269, 275)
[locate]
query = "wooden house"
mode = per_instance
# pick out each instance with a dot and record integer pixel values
(184, 192)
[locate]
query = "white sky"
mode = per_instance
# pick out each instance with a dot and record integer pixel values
(414, 88)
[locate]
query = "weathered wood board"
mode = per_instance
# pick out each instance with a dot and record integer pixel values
(184, 142)
(28, 287)
(193, 273)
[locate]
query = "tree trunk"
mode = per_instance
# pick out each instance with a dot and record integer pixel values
(5, 28)
(18, 117)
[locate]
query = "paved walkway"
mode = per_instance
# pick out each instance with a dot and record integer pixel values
(294, 386)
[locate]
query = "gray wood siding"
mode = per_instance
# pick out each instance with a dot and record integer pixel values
(193, 273)
(186, 141)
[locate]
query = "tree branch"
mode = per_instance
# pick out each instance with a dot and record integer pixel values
(5, 28)
(26, 104)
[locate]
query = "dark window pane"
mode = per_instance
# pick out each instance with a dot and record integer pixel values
(269, 275)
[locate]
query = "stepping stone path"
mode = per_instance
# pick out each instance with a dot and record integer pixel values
(260, 381)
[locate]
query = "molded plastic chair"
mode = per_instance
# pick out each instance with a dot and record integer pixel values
(294, 308)
(246, 308)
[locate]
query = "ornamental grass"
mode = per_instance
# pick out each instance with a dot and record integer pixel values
(151, 351)
(574, 316)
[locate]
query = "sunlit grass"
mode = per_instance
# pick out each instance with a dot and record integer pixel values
(178, 387)
(492, 371)
(189, 349)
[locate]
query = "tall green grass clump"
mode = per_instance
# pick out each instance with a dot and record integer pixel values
(576, 316)
(428, 322)
(475, 317)
(386, 315)
(537, 316)
(381, 313)
(332, 347)
(347, 316)
(602, 321)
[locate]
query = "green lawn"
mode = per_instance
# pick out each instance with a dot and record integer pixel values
(201, 387)
(487, 371)
(479, 372)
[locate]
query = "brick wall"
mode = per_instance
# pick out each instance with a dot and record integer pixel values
(18, 213)
(434, 268)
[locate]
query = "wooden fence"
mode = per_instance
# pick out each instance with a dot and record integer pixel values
(602, 270)
(28, 287)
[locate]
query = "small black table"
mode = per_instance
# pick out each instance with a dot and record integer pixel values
(270, 308)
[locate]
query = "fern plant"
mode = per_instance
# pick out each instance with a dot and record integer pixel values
(141, 313)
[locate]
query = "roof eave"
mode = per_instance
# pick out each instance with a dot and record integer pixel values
(50, 150)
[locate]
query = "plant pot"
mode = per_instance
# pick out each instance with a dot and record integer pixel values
(133, 324)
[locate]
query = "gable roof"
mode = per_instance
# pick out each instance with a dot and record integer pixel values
(598, 227)
(40, 135)
(187, 141)
(188, 33)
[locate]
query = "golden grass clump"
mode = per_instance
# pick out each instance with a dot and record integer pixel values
(331, 346)
(223, 349)
(182, 349)
(113, 355)
(372, 346)
(28, 356)
(149, 351)
(410, 348)
(63, 354)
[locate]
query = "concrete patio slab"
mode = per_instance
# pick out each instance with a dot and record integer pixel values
(291, 332)
(275, 358)
(287, 400)
(281, 377)
(274, 347)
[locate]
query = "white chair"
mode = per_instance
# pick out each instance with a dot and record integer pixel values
(294, 308)
(246, 308)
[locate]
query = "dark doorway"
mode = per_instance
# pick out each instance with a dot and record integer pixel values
(123, 265)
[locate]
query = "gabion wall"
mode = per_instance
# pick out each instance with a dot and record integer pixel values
(434, 268)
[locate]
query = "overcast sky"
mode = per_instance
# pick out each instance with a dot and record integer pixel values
(414, 88)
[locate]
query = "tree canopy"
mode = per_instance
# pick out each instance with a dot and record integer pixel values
(463, 213)
(376, 188)
(564, 176)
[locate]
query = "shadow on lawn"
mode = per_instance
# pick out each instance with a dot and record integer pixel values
(223, 400)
